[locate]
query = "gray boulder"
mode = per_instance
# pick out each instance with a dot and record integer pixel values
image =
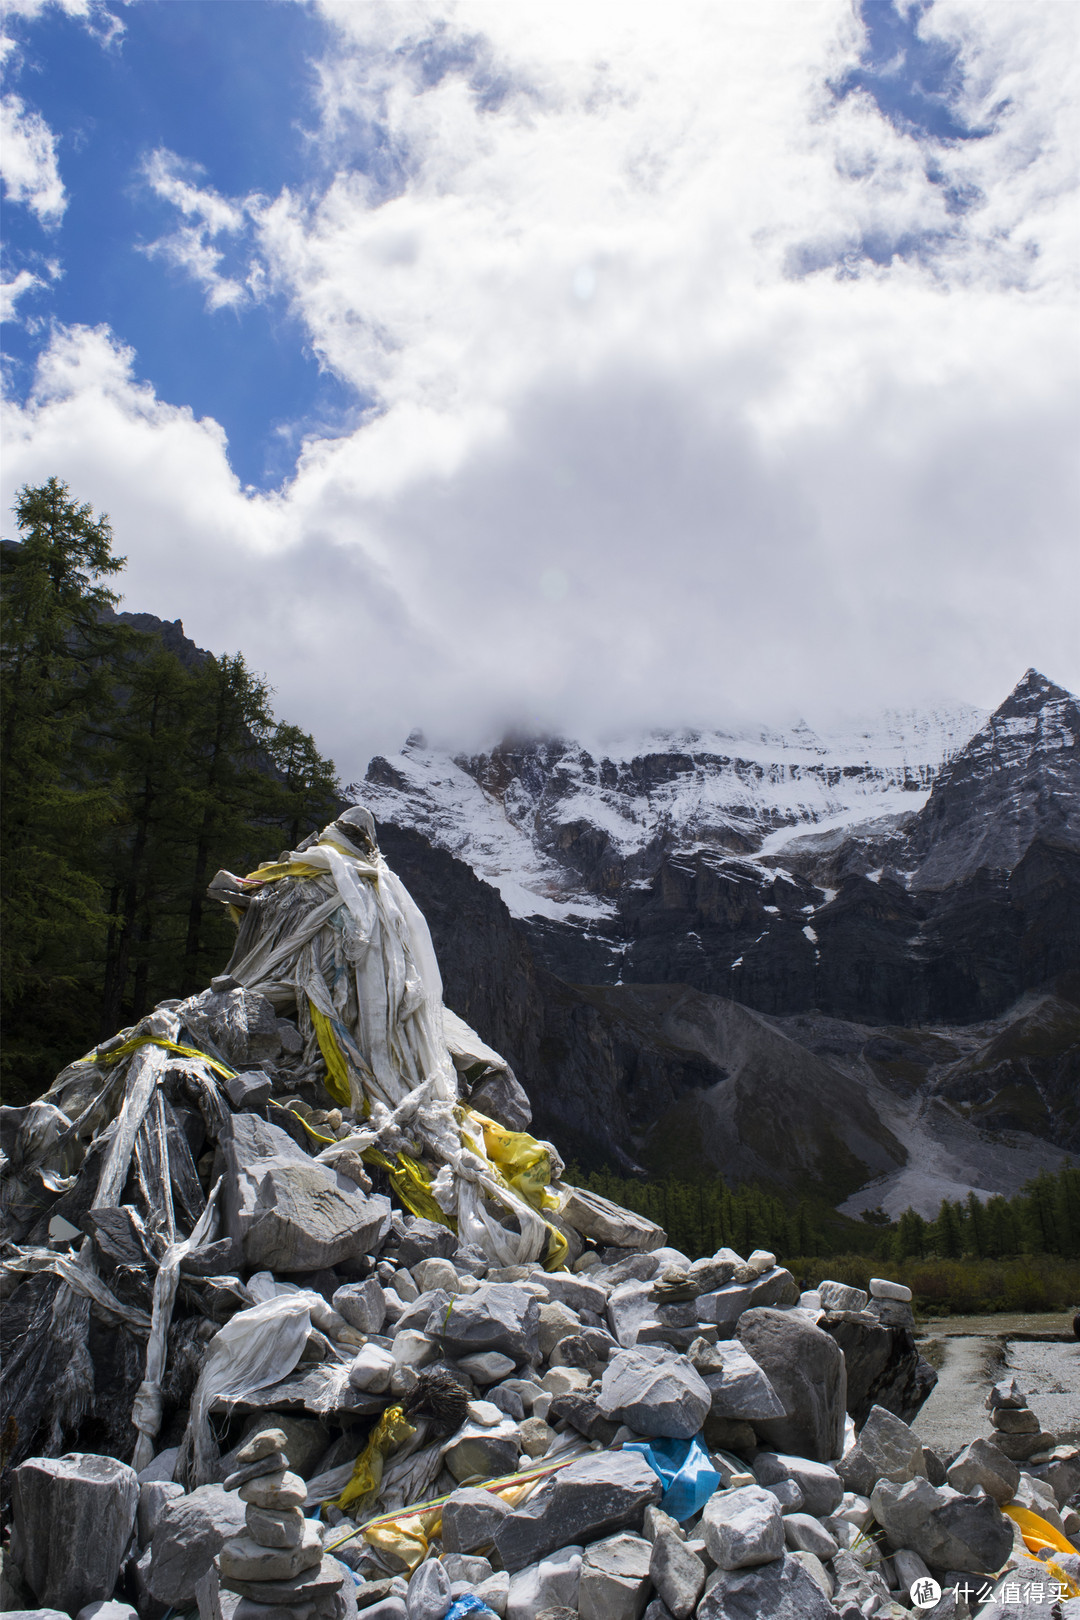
(806, 1369)
(592, 1497)
(307, 1216)
(884, 1366)
(737, 1386)
(153, 1495)
(948, 1530)
(615, 1579)
(418, 1239)
(886, 1449)
(189, 1534)
(984, 1466)
(498, 1316)
(654, 1392)
(91, 1501)
(783, 1590)
(742, 1527)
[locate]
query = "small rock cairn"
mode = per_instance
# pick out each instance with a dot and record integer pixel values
(278, 1565)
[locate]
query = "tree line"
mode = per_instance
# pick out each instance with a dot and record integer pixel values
(703, 1216)
(130, 775)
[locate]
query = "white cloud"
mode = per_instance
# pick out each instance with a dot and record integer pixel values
(28, 161)
(11, 291)
(192, 247)
(630, 460)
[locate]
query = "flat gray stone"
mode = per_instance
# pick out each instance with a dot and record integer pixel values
(591, 1498)
(94, 1500)
(677, 1573)
(738, 1387)
(605, 1223)
(821, 1486)
(743, 1527)
(655, 1393)
(836, 1296)
(782, 1590)
(805, 1367)
(270, 1527)
(189, 1534)
(485, 1452)
(615, 1579)
(948, 1530)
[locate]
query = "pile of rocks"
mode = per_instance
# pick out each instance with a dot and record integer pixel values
(609, 1375)
(337, 1406)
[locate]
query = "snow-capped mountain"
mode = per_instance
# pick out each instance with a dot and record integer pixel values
(558, 828)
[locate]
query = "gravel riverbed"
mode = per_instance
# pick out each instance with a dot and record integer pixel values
(972, 1352)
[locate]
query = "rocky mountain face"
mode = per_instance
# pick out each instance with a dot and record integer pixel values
(695, 940)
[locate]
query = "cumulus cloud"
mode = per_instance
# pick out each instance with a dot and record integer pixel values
(699, 388)
(28, 161)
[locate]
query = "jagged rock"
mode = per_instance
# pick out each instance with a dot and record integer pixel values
(886, 1449)
(737, 1386)
(94, 1500)
(806, 1369)
(884, 1367)
(677, 1573)
(582, 1410)
(742, 1527)
(984, 1465)
(595, 1495)
(821, 1486)
(948, 1530)
(362, 1304)
(372, 1369)
(655, 1393)
(1005, 1393)
(578, 1293)
(614, 1579)
(1019, 1447)
(557, 1322)
(497, 1317)
(188, 1536)
(782, 1590)
(551, 1583)
(1061, 1472)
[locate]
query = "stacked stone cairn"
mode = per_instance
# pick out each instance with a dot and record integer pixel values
(638, 1434)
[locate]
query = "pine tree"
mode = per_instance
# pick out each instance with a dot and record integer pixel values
(60, 657)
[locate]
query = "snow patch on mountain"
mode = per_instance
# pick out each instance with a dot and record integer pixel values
(522, 814)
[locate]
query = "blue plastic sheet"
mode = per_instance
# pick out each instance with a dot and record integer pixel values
(685, 1470)
(469, 1604)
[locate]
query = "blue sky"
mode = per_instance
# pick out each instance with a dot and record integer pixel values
(450, 319)
(227, 84)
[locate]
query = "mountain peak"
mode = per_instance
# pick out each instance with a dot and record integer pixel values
(1032, 691)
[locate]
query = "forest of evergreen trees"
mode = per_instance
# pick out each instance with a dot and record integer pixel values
(1042, 1219)
(129, 778)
